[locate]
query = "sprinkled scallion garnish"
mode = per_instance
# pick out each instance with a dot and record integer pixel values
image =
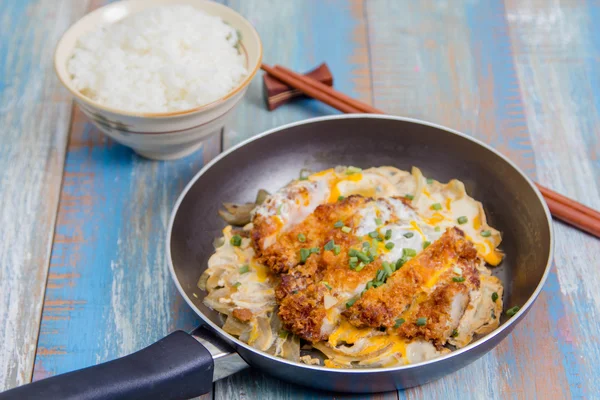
(337, 249)
(399, 322)
(436, 206)
(388, 234)
(351, 302)
(374, 234)
(346, 229)
(236, 240)
(429, 181)
(304, 174)
(409, 196)
(378, 221)
(237, 284)
(279, 209)
(315, 250)
(462, 220)
(244, 268)
(360, 266)
(426, 244)
(340, 198)
(387, 268)
(486, 233)
(301, 237)
(363, 257)
(512, 311)
(401, 261)
(304, 254)
(353, 262)
(458, 279)
(437, 229)
(409, 252)
(421, 321)
(494, 297)
(326, 284)
(454, 333)
(352, 170)
(389, 245)
(329, 245)
(408, 235)
(369, 285)
(338, 224)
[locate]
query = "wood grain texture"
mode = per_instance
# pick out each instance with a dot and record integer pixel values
(34, 116)
(556, 50)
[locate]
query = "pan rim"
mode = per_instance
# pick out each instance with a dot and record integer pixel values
(507, 325)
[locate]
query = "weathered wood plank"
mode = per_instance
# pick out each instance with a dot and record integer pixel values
(451, 63)
(34, 116)
(556, 48)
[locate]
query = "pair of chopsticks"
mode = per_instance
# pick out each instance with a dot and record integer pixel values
(561, 207)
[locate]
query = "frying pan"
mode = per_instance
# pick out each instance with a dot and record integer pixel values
(182, 366)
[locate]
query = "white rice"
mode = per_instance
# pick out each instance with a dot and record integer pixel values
(163, 59)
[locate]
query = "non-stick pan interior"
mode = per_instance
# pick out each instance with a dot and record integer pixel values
(271, 161)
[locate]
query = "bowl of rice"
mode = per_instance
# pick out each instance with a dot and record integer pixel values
(159, 76)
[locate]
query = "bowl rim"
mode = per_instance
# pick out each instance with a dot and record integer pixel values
(66, 81)
(501, 331)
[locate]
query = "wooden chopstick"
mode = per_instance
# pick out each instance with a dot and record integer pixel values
(561, 207)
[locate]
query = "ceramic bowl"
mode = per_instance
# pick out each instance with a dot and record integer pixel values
(160, 136)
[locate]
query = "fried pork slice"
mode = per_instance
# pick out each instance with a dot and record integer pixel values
(427, 296)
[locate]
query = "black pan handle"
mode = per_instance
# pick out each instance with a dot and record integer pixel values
(176, 367)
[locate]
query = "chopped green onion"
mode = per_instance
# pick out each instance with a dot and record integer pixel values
(429, 181)
(377, 284)
(237, 284)
(326, 284)
(352, 252)
(387, 268)
(399, 322)
(400, 263)
(381, 275)
(283, 334)
(236, 240)
(366, 245)
(436, 206)
(244, 268)
(315, 250)
(494, 297)
(346, 229)
(437, 229)
(454, 333)
(304, 173)
(421, 321)
(363, 257)
(369, 285)
(389, 245)
(409, 252)
(458, 279)
(304, 254)
(340, 198)
(374, 234)
(359, 267)
(512, 311)
(462, 220)
(486, 233)
(353, 262)
(337, 249)
(352, 170)
(329, 245)
(338, 224)
(409, 196)
(378, 221)
(426, 244)
(408, 235)
(351, 302)
(372, 253)
(388, 234)
(301, 237)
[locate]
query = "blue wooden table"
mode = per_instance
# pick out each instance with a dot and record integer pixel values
(83, 275)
